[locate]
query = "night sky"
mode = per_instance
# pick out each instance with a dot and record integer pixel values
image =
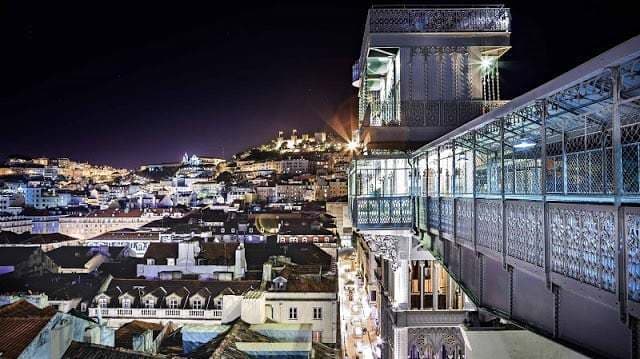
(139, 82)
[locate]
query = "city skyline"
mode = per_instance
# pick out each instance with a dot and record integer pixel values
(197, 80)
(331, 182)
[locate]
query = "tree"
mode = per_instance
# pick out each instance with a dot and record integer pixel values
(225, 177)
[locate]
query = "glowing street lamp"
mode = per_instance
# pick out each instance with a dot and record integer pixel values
(352, 145)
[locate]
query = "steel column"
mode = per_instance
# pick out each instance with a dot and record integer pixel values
(473, 194)
(421, 264)
(435, 285)
(543, 191)
(453, 189)
(565, 171)
(502, 199)
(619, 190)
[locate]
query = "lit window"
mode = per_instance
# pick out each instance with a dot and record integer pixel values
(293, 313)
(317, 313)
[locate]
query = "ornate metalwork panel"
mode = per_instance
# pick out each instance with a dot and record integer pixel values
(418, 113)
(434, 212)
(524, 225)
(489, 224)
(385, 210)
(431, 342)
(632, 239)
(423, 215)
(380, 211)
(365, 209)
(583, 243)
(439, 20)
(464, 219)
(446, 215)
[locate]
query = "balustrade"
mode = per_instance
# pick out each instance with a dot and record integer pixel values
(383, 211)
(214, 314)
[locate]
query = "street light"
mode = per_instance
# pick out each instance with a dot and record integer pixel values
(352, 145)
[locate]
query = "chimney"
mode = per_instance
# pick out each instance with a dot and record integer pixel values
(266, 273)
(240, 266)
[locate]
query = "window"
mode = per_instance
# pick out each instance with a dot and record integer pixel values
(151, 261)
(126, 302)
(317, 313)
(196, 304)
(171, 261)
(293, 313)
(173, 303)
(372, 296)
(149, 303)
(103, 302)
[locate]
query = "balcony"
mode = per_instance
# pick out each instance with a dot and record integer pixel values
(382, 212)
(420, 318)
(157, 313)
(420, 121)
(427, 113)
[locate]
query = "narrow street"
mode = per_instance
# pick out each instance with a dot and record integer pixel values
(358, 329)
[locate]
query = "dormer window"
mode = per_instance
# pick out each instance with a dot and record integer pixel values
(173, 303)
(196, 304)
(126, 303)
(218, 303)
(103, 302)
(151, 261)
(280, 283)
(149, 303)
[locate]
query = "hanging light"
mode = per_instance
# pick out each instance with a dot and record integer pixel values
(524, 143)
(486, 62)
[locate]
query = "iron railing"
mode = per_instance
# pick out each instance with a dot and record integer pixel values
(382, 212)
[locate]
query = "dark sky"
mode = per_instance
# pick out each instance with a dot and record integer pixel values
(137, 82)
